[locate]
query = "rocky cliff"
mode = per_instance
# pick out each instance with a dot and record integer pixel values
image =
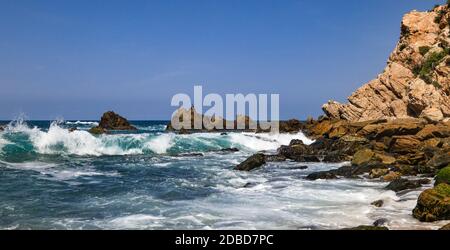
(416, 80)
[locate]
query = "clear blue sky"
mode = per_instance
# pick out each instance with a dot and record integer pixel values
(75, 59)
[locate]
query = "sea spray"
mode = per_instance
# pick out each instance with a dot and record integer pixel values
(58, 140)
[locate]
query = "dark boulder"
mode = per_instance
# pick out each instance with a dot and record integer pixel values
(378, 203)
(111, 121)
(380, 222)
(252, 162)
(404, 184)
(326, 175)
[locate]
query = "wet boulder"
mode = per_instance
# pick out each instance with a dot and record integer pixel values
(404, 184)
(433, 204)
(254, 161)
(324, 175)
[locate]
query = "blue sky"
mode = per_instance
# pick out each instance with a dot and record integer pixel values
(76, 59)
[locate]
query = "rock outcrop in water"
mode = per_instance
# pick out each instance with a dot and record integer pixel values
(218, 124)
(111, 121)
(416, 80)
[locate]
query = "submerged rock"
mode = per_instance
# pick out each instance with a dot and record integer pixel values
(433, 204)
(111, 121)
(404, 184)
(378, 203)
(367, 228)
(252, 162)
(321, 175)
(190, 155)
(380, 222)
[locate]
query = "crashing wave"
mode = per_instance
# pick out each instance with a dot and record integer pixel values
(58, 140)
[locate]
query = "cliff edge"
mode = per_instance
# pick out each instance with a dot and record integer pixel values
(416, 80)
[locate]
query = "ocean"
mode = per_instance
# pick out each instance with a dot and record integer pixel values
(51, 178)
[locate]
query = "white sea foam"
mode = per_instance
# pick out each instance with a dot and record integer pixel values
(135, 221)
(82, 123)
(161, 143)
(55, 171)
(259, 142)
(58, 140)
(3, 142)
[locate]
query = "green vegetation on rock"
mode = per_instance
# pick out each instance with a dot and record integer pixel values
(443, 176)
(425, 70)
(424, 50)
(433, 204)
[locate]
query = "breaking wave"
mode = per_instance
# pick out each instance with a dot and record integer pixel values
(20, 137)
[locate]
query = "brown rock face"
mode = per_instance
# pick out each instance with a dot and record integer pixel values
(111, 121)
(416, 80)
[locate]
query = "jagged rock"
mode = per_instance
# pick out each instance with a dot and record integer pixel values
(111, 121)
(415, 82)
(254, 161)
(403, 184)
(433, 204)
(434, 131)
(72, 129)
(395, 127)
(443, 176)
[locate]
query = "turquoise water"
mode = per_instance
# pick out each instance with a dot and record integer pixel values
(54, 179)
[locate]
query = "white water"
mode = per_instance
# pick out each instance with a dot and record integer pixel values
(58, 140)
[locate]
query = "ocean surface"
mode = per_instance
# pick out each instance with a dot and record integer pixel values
(51, 178)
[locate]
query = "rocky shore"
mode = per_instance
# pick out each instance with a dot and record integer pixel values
(396, 128)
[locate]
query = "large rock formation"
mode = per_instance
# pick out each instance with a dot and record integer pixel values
(111, 121)
(416, 80)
